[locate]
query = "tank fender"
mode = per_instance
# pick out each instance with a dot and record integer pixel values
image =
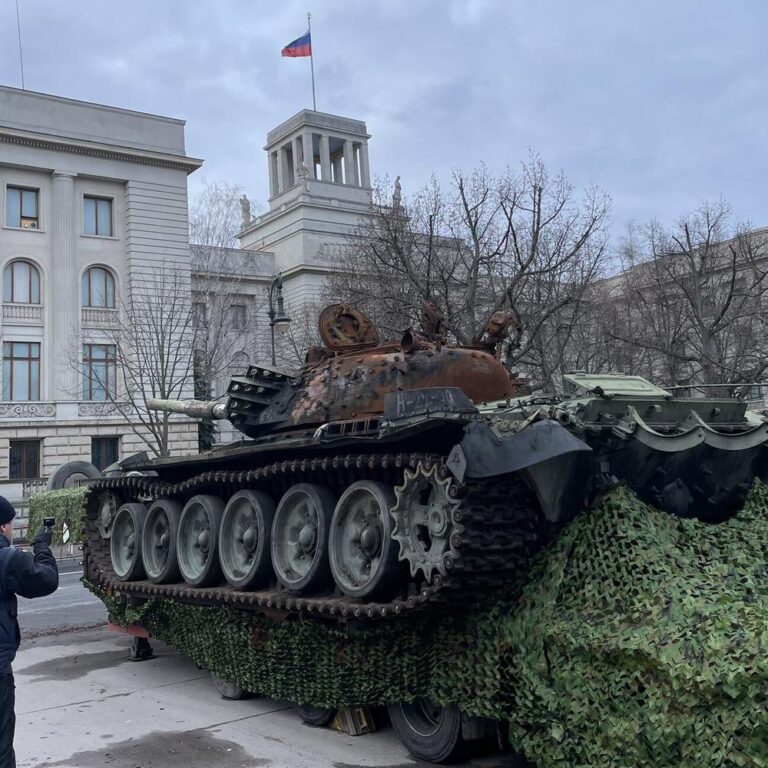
(486, 455)
(554, 461)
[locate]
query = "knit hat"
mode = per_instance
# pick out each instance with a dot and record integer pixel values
(7, 512)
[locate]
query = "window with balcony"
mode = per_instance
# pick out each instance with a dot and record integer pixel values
(24, 459)
(97, 216)
(99, 371)
(22, 207)
(98, 288)
(21, 370)
(104, 451)
(21, 283)
(237, 317)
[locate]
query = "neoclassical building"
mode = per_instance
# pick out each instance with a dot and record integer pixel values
(94, 202)
(94, 206)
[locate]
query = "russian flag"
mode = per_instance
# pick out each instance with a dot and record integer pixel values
(301, 46)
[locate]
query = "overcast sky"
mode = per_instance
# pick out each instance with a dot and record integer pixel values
(662, 104)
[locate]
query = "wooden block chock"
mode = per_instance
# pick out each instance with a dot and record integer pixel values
(354, 721)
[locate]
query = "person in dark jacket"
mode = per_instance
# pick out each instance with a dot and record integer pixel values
(29, 576)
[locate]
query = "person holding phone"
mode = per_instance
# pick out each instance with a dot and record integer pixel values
(28, 575)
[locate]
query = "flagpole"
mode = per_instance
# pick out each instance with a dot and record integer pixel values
(311, 60)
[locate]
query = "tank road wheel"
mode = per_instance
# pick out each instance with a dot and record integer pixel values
(362, 552)
(125, 542)
(428, 731)
(318, 716)
(244, 540)
(424, 522)
(105, 517)
(300, 537)
(197, 541)
(161, 530)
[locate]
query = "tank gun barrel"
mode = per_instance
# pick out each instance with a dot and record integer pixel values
(196, 409)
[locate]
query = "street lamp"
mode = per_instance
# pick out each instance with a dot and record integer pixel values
(277, 318)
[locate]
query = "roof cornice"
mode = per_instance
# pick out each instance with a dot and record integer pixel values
(105, 151)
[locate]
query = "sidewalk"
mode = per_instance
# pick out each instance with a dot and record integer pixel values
(80, 703)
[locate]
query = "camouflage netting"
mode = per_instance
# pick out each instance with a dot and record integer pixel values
(638, 640)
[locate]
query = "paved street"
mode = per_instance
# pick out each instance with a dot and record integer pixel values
(70, 606)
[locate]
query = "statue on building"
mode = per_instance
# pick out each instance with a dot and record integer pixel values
(302, 171)
(397, 195)
(245, 210)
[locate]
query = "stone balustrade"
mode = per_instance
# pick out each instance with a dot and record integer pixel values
(29, 314)
(100, 317)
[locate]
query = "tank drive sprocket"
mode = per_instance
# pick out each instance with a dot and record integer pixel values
(428, 524)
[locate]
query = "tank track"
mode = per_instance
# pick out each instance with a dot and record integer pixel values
(497, 527)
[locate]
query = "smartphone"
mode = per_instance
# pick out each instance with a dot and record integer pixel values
(49, 522)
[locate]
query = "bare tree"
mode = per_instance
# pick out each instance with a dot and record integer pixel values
(179, 330)
(216, 215)
(227, 297)
(520, 242)
(146, 353)
(228, 300)
(227, 293)
(694, 298)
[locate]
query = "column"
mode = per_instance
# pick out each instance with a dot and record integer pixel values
(284, 170)
(63, 336)
(365, 173)
(298, 156)
(325, 158)
(280, 176)
(309, 153)
(274, 182)
(350, 175)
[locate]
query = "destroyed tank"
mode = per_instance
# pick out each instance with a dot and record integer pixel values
(394, 479)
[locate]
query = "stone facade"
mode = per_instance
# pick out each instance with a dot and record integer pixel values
(94, 203)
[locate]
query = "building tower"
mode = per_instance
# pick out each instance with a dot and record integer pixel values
(319, 186)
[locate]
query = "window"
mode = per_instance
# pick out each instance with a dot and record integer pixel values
(104, 451)
(199, 315)
(97, 216)
(21, 370)
(237, 317)
(98, 371)
(24, 461)
(98, 288)
(21, 208)
(21, 283)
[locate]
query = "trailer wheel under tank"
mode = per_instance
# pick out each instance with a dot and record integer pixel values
(228, 689)
(318, 716)
(428, 731)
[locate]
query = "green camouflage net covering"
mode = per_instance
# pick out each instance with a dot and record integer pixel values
(638, 639)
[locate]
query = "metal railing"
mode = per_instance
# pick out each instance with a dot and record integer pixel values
(755, 394)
